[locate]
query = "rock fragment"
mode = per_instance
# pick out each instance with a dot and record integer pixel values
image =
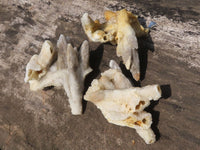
(68, 72)
(122, 104)
(121, 28)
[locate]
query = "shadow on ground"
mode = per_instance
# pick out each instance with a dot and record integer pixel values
(166, 93)
(95, 60)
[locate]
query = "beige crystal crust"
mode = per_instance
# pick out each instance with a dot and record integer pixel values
(122, 104)
(68, 72)
(39, 64)
(121, 28)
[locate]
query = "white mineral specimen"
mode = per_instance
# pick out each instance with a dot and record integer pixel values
(121, 28)
(39, 64)
(122, 104)
(69, 71)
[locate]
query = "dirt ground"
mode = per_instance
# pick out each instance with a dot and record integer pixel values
(42, 120)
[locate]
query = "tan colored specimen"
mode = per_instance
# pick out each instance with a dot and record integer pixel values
(122, 104)
(121, 28)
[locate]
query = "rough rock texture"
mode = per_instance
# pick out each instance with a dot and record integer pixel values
(122, 29)
(68, 70)
(121, 103)
(42, 120)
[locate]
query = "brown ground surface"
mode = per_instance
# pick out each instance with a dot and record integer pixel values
(42, 120)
